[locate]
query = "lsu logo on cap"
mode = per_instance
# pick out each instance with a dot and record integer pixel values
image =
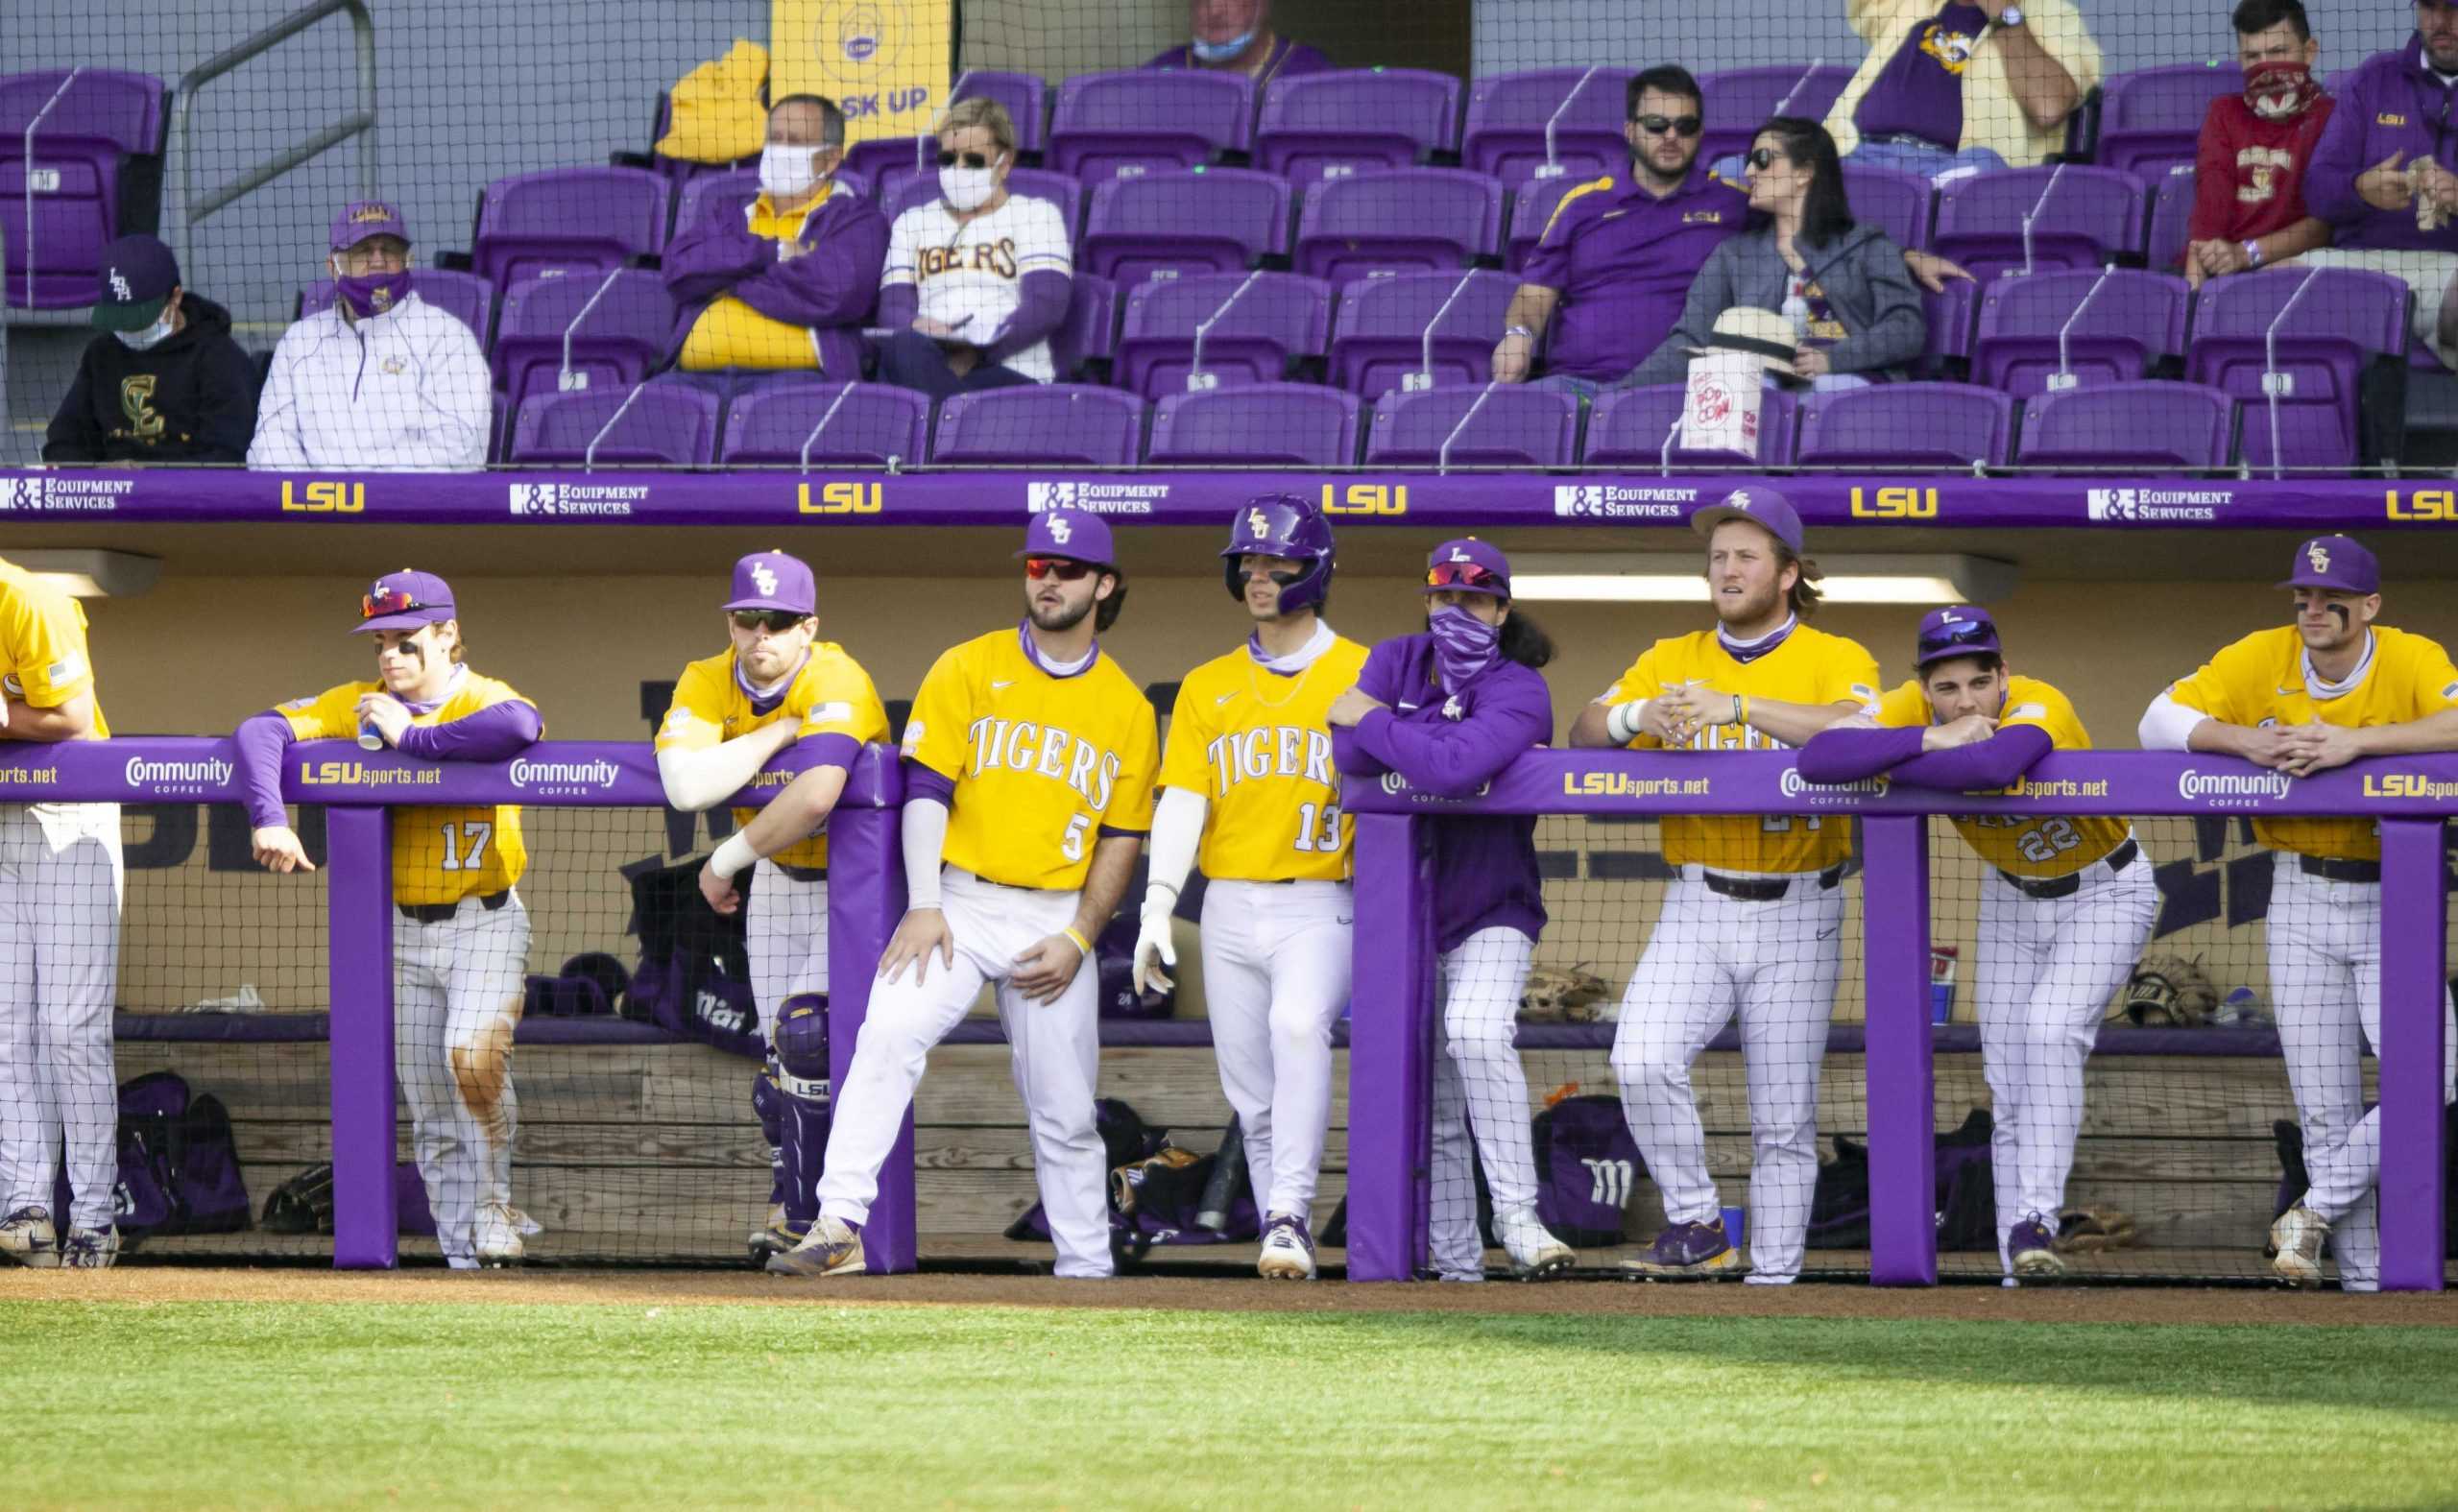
(2318, 555)
(1457, 555)
(766, 580)
(120, 290)
(1059, 530)
(1739, 499)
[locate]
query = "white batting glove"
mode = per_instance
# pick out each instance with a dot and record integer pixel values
(1154, 946)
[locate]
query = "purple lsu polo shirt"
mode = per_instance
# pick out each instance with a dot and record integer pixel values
(1623, 260)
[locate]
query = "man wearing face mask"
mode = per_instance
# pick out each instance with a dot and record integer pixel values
(2249, 170)
(781, 285)
(976, 279)
(381, 380)
(167, 383)
(1236, 35)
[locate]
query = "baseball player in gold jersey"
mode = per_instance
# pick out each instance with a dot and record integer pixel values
(460, 934)
(2302, 698)
(1029, 763)
(1753, 922)
(1248, 775)
(2065, 906)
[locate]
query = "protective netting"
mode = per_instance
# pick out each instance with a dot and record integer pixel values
(1236, 234)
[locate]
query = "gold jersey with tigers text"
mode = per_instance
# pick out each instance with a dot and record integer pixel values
(1257, 745)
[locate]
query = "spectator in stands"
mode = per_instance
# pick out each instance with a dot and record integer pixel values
(2382, 178)
(1236, 35)
(1845, 297)
(783, 282)
(977, 278)
(2249, 169)
(167, 383)
(1958, 89)
(381, 380)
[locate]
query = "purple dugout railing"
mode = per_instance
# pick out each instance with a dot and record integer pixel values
(1391, 1016)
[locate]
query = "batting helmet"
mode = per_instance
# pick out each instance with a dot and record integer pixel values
(1283, 525)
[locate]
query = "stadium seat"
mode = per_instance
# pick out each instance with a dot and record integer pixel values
(1144, 120)
(95, 175)
(1090, 332)
(873, 160)
(649, 425)
(567, 220)
(1252, 325)
(1951, 316)
(1532, 210)
(1419, 330)
(2151, 119)
(1026, 97)
(2080, 217)
(675, 171)
(463, 295)
(2323, 326)
(2104, 326)
(733, 189)
(2171, 222)
(1923, 425)
(1475, 425)
(826, 425)
(1333, 125)
(1263, 424)
(1171, 225)
(901, 189)
(1068, 424)
(1546, 123)
(2141, 427)
(1897, 203)
(1638, 429)
(1740, 100)
(559, 335)
(1404, 220)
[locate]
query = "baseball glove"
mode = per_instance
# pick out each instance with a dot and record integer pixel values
(2171, 990)
(303, 1204)
(1562, 995)
(1168, 1169)
(2088, 1231)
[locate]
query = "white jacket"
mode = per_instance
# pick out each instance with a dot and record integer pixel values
(405, 389)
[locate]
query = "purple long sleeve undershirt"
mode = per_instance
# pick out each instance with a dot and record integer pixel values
(493, 733)
(1847, 755)
(1041, 306)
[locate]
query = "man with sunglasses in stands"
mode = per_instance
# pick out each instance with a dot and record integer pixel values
(776, 685)
(1029, 761)
(1617, 258)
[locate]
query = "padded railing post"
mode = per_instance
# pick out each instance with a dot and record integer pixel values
(2415, 993)
(1390, 1046)
(1903, 1153)
(865, 900)
(358, 878)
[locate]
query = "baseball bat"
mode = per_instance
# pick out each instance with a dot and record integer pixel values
(1228, 1170)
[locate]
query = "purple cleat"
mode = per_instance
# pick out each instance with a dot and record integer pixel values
(1688, 1249)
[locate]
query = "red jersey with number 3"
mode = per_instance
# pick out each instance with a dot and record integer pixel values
(2249, 173)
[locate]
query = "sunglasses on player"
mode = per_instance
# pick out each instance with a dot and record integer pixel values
(1678, 125)
(949, 159)
(395, 602)
(1466, 575)
(1066, 569)
(775, 621)
(1946, 638)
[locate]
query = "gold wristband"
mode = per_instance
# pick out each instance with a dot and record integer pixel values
(1083, 946)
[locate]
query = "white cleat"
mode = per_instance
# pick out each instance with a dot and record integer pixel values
(1536, 1255)
(499, 1231)
(1288, 1250)
(90, 1248)
(28, 1237)
(2299, 1235)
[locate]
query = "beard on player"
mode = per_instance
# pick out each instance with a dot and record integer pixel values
(1056, 605)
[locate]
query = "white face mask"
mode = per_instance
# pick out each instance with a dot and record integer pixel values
(1222, 52)
(968, 188)
(788, 173)
(150, 337)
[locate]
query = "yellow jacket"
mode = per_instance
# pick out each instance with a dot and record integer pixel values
(1991, 117)
(717, 116)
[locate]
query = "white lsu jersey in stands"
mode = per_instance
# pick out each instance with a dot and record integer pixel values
(969, 273)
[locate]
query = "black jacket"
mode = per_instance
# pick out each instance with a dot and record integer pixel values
(192, 400)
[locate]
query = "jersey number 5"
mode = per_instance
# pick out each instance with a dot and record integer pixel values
(1318, 831)
(1070, 845)
(456, 857)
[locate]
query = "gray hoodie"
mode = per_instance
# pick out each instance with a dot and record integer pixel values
(1862, 277)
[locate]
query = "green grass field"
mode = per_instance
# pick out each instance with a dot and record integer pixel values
(198, 1405)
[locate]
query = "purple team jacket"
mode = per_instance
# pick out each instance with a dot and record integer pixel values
(2392, 105)
(1484, 867)
(830, 288)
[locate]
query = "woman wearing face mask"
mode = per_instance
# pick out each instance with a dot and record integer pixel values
(976, 279)
(1236, 35)
(165, 382)
(2249, 165)
(1447, 710)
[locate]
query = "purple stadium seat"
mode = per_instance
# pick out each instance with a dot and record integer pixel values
(1740, 100)
(1397, 222)
(2144, 428)
(1896, 425)
(2081, 218)
(734, 188)
(1144, 120)
(1026, 97)
(465, 296)
(2171, 222)
(1488, 425)
(1171, 225)
(1253, 324)
(1532, 210)
(1331, 125)
(2323, 326)
(610, 330)
(1090, 332)
(1546, 123)
(826, 425)
(2094, 327)
(650, 424)
(1266, 424)
(1639, 429)
(1897, 203)
(567, 220)
(873, 160)
(1069, 424)
(2151, 119)
(1419, 330)
(96, 174)
(901, 189)
(1951, 316)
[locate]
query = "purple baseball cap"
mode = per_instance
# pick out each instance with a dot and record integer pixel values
(404, 600)
(1959, 630)
(774, 580)
(1071, 533)
(1763, 507)
(1467, 565)
(137, 275)
(2335, 562)
(362, 219)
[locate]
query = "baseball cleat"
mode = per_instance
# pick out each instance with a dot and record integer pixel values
(1536, 1255)
(777, 1238)
(1688, 1249)
(28, 1237)
(832, 1248)
(2299, 1235)
(1288, 1250)
(497, 1237)
(89, 1249)
(2032, 1245)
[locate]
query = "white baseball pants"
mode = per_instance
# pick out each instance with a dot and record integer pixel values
(1479, 1091)
(1276, 964)
(60, 882)
(456, 1000)
(786, 938)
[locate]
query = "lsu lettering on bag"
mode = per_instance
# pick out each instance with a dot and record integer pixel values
(694, 976)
